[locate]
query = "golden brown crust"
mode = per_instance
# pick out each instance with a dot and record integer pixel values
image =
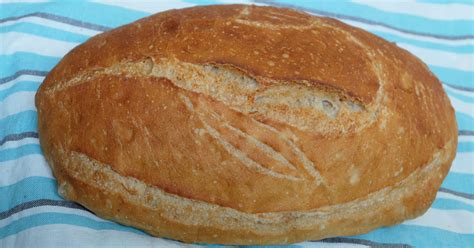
(240, 37)
(219, 107)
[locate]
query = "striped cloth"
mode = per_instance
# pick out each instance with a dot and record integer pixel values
(35, 35)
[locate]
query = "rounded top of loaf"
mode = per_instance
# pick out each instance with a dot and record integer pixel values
(278, 44)
(259, 109)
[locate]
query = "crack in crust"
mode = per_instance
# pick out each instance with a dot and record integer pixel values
(326, 112)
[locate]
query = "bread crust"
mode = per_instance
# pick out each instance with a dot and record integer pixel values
(208, 124)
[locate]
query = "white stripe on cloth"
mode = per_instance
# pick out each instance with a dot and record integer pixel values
(463, 62)
(13, 42)
(24, 167)
(466, 138)
(52, 24)
(16, 103)
(10, 83)
(463, 162)
(17, 143)
(459, 221)
(446, 12)
(62, 235)
(444, 195)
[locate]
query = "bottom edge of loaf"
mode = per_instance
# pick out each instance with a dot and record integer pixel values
(130, 202)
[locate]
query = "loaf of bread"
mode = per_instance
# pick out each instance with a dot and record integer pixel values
(240, 124)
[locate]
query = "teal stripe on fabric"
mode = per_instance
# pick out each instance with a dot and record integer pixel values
(425, 44)
(28, 189)
(453, 76)
(9, 64)
(18, 87)
(18, 152)
(398, 20)
(461, 97)
(102, 14)
(42, 219)
(465, 122)
(21, 151)
(43, 31)
(26, 121)
(466, 147)
(449, 204)
(419, 236)
(459, 182)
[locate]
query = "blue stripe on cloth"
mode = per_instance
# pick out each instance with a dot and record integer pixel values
(397, 20)
(459, 182)
(42, 219)
(9, 64)
(453, 76)
(97, 13)
(43, 31)
(419, 236)
(18, 87)
(28, 189)
(465, 122)
(18, 152)
(466, 147)
(26, 121)
(449, 204)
